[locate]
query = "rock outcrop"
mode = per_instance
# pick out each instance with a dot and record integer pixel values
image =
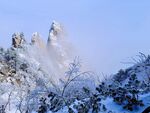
(36, 40)
(17, 39)
(54, 32)
(56, 46)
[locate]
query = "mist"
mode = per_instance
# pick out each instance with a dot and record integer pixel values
(53, 56)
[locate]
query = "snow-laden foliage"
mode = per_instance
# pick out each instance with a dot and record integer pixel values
(27, 86)
(127, 85)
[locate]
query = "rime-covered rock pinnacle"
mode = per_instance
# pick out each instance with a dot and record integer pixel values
(17, 39)
(36, 40)
(54, 32)
(57, 46)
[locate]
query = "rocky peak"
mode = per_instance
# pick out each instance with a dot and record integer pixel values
(17, 39)
(36, 40)
(54, 32)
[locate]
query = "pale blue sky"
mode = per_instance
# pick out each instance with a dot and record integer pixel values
(107, 32)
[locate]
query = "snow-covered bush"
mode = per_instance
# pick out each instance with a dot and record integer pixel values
(75, 86)
(52, 102)
(120, 76)
(75, 80)
(125, 95)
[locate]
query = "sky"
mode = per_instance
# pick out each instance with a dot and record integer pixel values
(105, 32)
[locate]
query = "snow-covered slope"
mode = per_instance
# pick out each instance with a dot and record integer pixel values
(128, 91)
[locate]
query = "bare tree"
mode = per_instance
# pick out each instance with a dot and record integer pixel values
(73, 73)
